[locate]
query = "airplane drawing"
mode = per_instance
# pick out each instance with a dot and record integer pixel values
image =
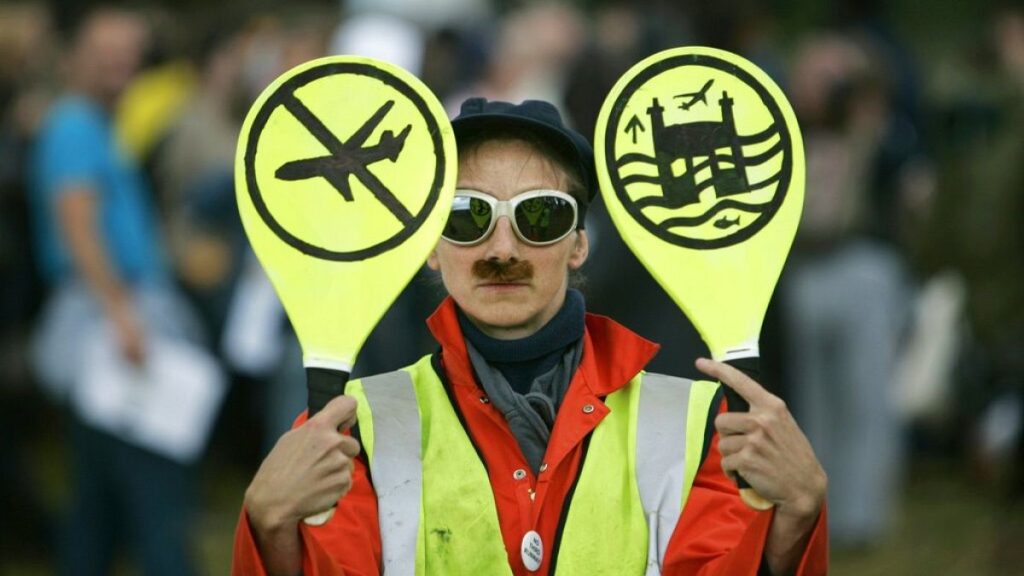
(700, 96)
(349, 158)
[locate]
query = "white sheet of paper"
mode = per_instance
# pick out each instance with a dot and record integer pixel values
(252, 340)
(167, 406)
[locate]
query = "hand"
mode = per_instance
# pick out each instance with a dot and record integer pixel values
(308, 470)
(767, 448)
(131, 338)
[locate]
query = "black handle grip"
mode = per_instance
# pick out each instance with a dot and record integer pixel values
(323, 385)
(751, 366)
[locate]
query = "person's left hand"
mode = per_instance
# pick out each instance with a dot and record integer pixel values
(766, 446)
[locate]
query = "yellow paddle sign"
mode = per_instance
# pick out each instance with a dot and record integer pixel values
(344, 174)
(701, 165)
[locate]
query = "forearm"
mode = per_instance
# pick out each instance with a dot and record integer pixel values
(279, 545)
(788, 538)
(77, 214)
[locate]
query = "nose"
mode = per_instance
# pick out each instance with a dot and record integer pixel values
(503, 245)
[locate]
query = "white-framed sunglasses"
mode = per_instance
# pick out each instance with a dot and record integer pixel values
(538, 217)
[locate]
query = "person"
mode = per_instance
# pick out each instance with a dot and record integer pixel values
(845, 292)
(530, 442)
(95, 233)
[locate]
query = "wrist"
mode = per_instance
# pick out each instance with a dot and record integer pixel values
(267, 517)
(807, 506)
(117, 306)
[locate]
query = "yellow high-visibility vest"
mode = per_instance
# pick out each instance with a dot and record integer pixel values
(435, 503)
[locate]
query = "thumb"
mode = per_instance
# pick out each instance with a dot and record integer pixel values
(339, 413)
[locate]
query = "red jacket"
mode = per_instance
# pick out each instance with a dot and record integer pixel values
(716, 535)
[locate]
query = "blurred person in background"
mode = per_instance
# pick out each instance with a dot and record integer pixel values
(844, 293)
(194, 173)
(531, 56)
(255, 338)
(155, 98)
(99, 250)
(975, 228)
(27, 45)
(427, 16)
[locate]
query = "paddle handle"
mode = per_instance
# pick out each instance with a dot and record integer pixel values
(322, 386)
(751, 366)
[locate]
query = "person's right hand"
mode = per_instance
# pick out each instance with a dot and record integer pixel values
(131, 338)
(308, 470)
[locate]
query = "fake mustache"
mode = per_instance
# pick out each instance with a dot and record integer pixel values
(503, 272)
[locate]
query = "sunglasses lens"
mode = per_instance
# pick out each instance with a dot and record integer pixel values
(545, 218)
(469, 220)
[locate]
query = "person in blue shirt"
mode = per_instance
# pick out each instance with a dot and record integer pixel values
(98, 249)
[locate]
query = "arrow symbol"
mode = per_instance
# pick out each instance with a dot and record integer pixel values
(634, 126)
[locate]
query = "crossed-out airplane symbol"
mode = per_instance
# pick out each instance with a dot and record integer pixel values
(348, 158)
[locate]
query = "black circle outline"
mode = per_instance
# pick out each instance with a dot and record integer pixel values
(276, 99)
(708, 61)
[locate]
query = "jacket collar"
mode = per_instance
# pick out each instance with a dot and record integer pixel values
(612, 354)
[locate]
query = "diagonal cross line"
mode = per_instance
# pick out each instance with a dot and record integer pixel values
(384, 195)
(336, 147)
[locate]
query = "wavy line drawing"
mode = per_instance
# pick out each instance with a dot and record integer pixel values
(691, 221)
(760, 136)
(649, 201)
(632, 157)
(637, 178)
(664, 202)
(766, 155)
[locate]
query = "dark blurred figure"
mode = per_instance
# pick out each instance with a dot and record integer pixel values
(98, 249)
(255, 338)
(26, 46)
(976, 227)
(194, 175)
(844, 291)
(533, 48)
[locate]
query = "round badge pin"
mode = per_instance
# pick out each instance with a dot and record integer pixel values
(532, 551)
(697, 146)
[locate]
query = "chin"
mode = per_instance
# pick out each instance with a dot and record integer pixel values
(501, 317)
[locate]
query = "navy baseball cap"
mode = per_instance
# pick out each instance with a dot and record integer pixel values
(537, 117)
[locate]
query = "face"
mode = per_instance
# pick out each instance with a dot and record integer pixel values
(517, 303)
(109, 53)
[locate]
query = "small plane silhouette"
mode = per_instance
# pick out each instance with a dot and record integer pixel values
(695, 97)
(348, 158)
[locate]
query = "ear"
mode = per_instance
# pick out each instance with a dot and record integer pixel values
(580, 250)
(432, 261)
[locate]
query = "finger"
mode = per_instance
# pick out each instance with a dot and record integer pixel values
(728, 445)
(730, 465)
(744, 385)
(339, 413)
(349, 446)
(730, 423)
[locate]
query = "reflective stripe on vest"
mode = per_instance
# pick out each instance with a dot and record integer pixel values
(397, 474)
(437, 511)
(661, 459)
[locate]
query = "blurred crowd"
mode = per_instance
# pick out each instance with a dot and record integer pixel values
(896, 333)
